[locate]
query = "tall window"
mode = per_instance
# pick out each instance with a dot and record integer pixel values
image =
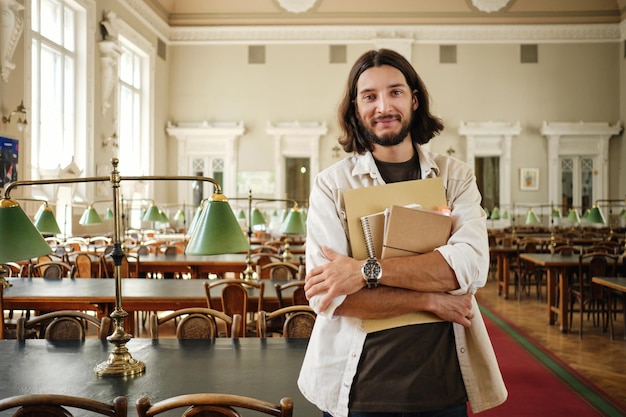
(132, 117)
(58, 69)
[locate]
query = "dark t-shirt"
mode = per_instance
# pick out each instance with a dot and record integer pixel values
(410, 368)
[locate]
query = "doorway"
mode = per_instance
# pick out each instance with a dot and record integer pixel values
(297, 180)
(487, 171)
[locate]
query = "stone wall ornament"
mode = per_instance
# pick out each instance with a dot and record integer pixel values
(490, 6)
(110, 52)
(297, 6)
(11, 27)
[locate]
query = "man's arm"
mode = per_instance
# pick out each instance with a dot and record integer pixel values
(384, 302)
(342, 275)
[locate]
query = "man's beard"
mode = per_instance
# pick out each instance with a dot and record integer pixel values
(389, 139)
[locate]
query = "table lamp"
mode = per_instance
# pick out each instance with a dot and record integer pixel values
(531, 217)
(495, 214)
(45, 221)
(573, 217)
(20, 239)
(595, 215)
(90, 217)
(214, 235)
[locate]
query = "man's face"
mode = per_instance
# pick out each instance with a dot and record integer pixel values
(384, 105)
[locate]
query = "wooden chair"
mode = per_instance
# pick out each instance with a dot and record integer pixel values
(128, 269)
(234, 299)
(298, 297)
(263, 258)
(527, 273)
(8, 330)
(298, 321)
(84, 266)
(213, 405)
(587, 294)
(52, 270)
(11, 269)
(278, 270)
(63, 325)
(196, 323)
(55, 405)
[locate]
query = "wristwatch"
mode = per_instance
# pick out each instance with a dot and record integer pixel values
(372, 271)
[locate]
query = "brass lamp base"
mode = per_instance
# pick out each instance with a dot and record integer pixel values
(120, 362)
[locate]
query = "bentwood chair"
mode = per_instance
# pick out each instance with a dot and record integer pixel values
(52, 270)
(213, 405)
(278, 270)
(54, 405)
(298, 296)
(196, 323)
(63, 325)
(234, 297)
(587, 294)
(298, 321)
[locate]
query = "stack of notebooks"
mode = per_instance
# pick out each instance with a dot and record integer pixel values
(400, 219)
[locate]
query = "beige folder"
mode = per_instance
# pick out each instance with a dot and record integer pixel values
(428, 193)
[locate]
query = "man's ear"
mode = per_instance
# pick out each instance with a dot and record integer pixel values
(415, 101)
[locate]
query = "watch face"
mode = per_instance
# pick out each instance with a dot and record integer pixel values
(372, 270)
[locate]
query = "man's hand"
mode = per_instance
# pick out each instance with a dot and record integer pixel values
(454, 308)
(340, 276)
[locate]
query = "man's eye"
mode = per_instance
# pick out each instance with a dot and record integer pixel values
(396, 92)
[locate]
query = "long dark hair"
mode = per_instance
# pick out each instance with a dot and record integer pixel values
(424, 125)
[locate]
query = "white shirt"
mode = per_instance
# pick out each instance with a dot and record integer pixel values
(334, 349)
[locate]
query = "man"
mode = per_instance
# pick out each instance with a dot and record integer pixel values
(426, 369)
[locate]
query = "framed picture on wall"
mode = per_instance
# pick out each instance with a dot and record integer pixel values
(529, 179)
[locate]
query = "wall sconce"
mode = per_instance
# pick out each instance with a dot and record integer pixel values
(110, 140)
(21, 120)
(336, 149)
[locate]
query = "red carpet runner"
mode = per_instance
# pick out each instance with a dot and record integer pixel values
(539, 383)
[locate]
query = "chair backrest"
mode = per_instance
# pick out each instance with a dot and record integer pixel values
(234, 297)
(567, 250)
(298, 321)
(197, 323)
(601, 264)
(63, 325)
(127, 269)
(213, 405)
(170, 250)
(83, 265)
(11, 269)
(278, 270)
(52, 270)
(260, 259)
(54, 405)
(298, 296)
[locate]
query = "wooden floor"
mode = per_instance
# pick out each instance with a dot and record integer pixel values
(597, 357)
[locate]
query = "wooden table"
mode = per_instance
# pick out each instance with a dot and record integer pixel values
(137, 295)
(262, 368)
(197, 266)
(609, 285)
(503, 254)
(556, 269)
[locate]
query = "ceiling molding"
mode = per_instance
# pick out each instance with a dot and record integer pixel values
(352, 34)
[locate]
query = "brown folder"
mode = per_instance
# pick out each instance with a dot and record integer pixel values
(413, 231)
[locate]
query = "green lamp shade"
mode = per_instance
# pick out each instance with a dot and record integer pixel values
(217, 231)
(294, 223)
(556, 213)
(20, 239)
(487, 213)
(257, 218)
(241, 215)
(40, 210)
(622, 213)
(531, 217)
(46, 223)
(495, 214)
(596, 216)
(572, 216)
(152, 214)
(196, 217)
(586, 214)
(179, 216)
(164, 218)
(90, 217)
(108, 215)
(505, 215)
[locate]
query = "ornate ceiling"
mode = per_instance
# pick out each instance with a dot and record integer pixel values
(213, 13)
